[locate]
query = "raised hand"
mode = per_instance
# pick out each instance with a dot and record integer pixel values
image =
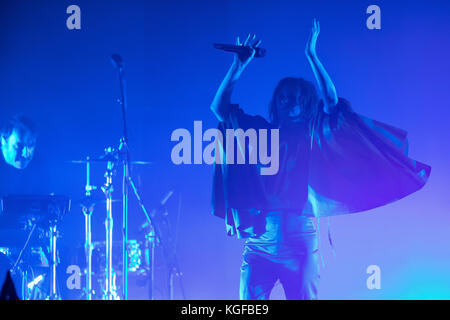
(221, 104)
(241, 60)
(325, 84)
(310, 49)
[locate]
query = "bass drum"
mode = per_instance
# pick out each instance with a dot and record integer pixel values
(136, 263)
(137, 270)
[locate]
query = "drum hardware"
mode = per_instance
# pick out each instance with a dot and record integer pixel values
(53, 263)
(110, 292)
(136, 266)
(88, 250)
(13, 269)
(35, 282)
(87, 204)
(19, 211)
(134, 256)
(152, 234)
(102, 160)
(111, 158)
(117, 62)
(33, 213)
(157, 233)
(150, 245)
(88, 187)
(24, 273)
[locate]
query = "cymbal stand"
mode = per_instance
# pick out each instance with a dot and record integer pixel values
(110, 292)
(88, 247)
(53, 263)
(88, 250)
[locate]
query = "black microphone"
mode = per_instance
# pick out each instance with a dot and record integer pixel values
(117, 61)
(260, 52)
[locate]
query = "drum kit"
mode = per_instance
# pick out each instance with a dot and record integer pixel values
(112, 158)
(39, 216)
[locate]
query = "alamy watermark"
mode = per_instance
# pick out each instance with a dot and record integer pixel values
(235, 147)
(374, 20)
(374, 280)
(74, 279)
(74, 20)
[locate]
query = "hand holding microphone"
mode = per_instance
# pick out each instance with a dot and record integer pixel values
(244, 52)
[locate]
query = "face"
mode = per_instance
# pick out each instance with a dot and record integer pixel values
(18, 149)
(289, 108)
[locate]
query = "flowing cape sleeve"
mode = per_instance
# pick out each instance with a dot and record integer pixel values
(357, 164)
(238, 194)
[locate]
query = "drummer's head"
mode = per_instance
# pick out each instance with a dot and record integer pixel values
(18, 140)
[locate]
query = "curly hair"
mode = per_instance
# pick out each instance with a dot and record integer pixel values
(308, 97)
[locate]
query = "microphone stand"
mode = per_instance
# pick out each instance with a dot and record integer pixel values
(127, 183)
(124, 151)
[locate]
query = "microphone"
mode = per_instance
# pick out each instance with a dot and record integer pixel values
(260, 52)
(117, 61)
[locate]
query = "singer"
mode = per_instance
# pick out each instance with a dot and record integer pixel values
(331, 161)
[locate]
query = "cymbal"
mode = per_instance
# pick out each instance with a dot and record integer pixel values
(104, 159)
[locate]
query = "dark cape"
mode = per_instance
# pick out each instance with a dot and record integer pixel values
(355, 164)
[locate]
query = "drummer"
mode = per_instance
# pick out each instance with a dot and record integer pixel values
(18, 141)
